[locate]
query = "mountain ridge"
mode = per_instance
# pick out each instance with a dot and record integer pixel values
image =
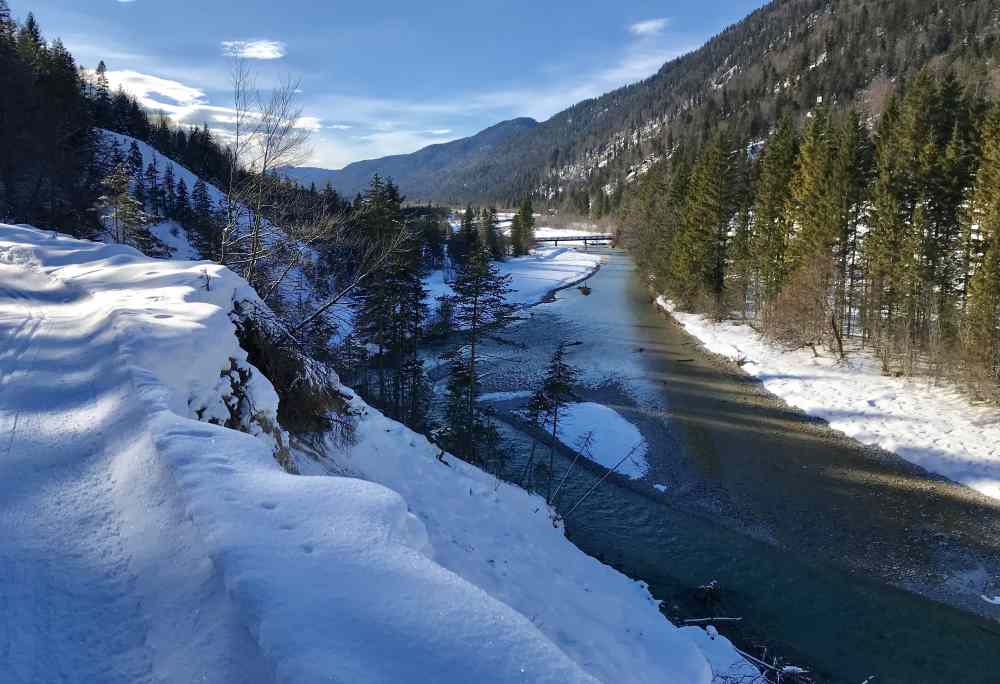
(410, 171)
(785, 57)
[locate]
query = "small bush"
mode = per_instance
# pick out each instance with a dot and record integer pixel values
(309, 394)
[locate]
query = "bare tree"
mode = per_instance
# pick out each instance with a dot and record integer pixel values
(268, 134)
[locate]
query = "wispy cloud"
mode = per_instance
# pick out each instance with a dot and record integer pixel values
(154, 92)
(186, 104)
(649, 27)
(254, 49)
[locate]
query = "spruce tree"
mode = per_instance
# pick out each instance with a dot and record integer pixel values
(550, 399)
(523, 233)
(981, 331)
(528, 218)
(480, 304)
(772, 227)
(169, 192)
(491, 233)
(698, 260)
(201, 205)
(517, 239)
(465, 240)
(153, 193)
(182, 204)
(390, 309)
(122, 211)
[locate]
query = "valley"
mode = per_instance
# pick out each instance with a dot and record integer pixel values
(753, 498)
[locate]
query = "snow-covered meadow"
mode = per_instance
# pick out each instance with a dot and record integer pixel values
(931, 425)
(140, 542)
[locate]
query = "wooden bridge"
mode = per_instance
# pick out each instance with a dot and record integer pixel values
(585, 239)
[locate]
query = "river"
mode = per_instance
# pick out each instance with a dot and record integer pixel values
(838, 557)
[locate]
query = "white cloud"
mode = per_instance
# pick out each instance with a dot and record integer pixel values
(254, 49)
(154, 92)
(184, 104)
(649, 27)
(309, 123)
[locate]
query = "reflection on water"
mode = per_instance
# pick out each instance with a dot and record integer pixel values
(758, 461)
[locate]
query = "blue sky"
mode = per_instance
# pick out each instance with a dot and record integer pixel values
(385, 77)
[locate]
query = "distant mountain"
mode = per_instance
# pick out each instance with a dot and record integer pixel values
(786, 56)
(421, 175)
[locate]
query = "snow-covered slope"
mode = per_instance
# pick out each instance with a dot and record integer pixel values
(139, 544)
(933, 426)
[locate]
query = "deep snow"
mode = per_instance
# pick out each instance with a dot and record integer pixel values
(933, 426)
(140, 544)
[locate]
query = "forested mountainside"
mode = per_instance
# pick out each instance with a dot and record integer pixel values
(420, 175)
(781, 58)
(786, 57)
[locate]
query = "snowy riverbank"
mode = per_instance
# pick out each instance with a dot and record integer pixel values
(140, 541)
(932, 426)
(534, 276)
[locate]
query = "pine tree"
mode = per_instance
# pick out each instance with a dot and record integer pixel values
(523, 232)
(466, 240)
(850, 175)
(550, 399)
(491, 234)
(981, 331)
(390, 309)
(169, 192)
(30, 45)
(153, 191)
(134, 160)
(517, 239)
(122, 211)
(182, 204)
(102, 96)
(528, 219)
(201, 205)
(480, 302)
(698, 263)
(772, 228)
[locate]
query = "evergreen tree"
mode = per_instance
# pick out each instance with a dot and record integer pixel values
(201, 204)
(153, 191)
(480, 304)
(390, 310)
(168, 193)
(491, 234)
(771, 225)
(122, 212)
(466, 240)
(182, 204)
(981, 332)
(134, 160)
(102, 96)
(523, 230)
(549, 400)
(517, 239)
(698, 263)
